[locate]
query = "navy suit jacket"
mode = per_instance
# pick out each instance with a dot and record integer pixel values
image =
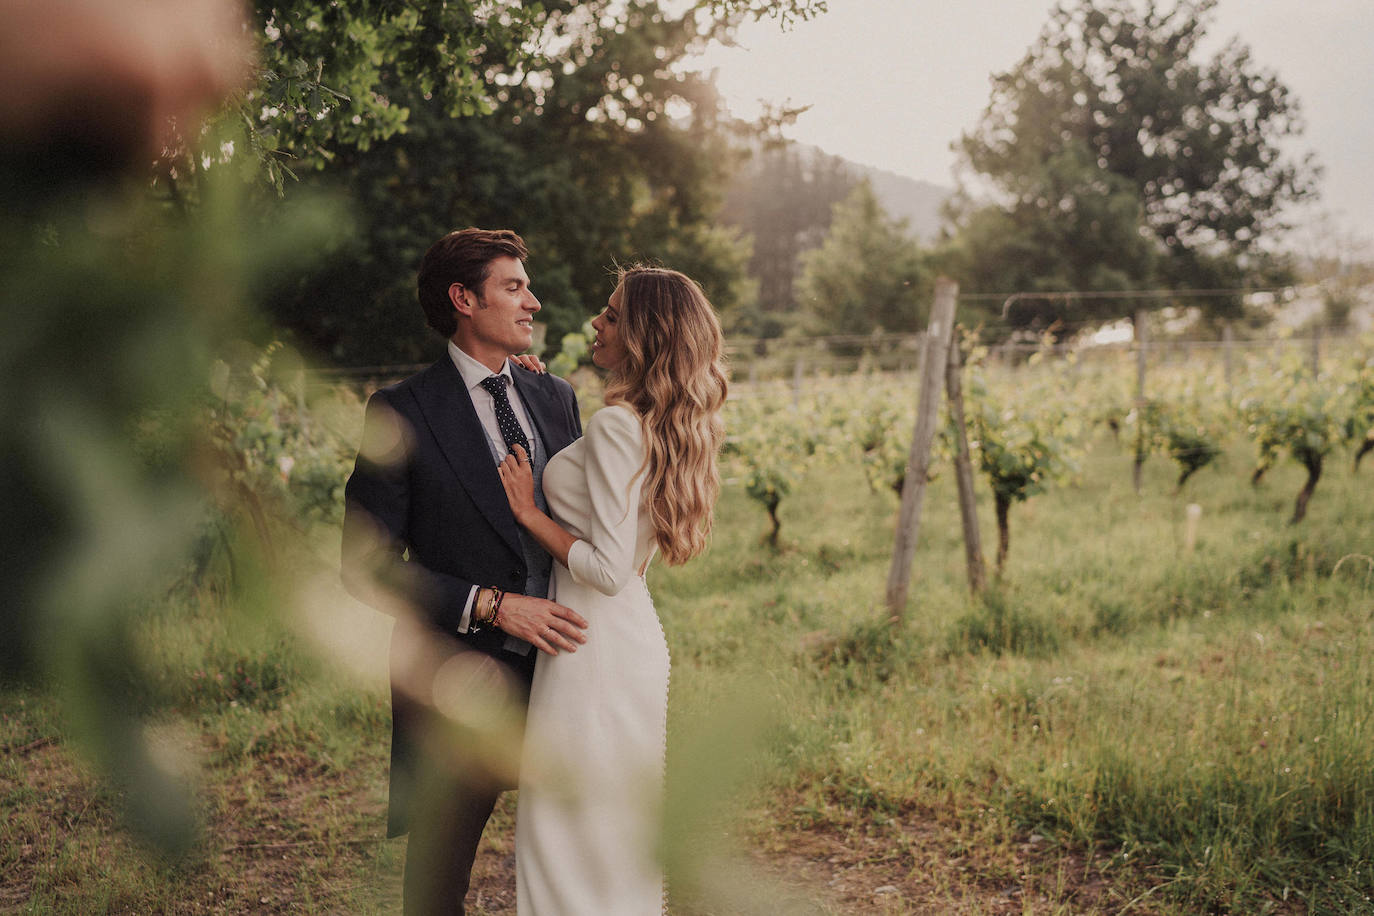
(426, 519)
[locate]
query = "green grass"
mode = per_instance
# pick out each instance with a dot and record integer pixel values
(285, 752)
(1197, 725)
(1204, 717)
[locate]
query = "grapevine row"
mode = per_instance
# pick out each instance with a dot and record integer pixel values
(1031, 427)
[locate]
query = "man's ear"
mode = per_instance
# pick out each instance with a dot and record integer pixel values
(458, 295)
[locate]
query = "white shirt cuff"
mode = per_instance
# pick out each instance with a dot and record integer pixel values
(465, 621)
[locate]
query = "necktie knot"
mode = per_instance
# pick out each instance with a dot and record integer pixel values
(505, 416)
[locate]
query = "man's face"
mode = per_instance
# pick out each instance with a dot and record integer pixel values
(501, 313)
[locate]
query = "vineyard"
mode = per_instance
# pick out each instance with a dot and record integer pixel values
(1032, 424)
(1172, 666)
(1159, 704)
(1031, 427)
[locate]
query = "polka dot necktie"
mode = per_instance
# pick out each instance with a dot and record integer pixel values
(505, 417)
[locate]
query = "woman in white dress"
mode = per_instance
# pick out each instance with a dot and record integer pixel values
(642, 480)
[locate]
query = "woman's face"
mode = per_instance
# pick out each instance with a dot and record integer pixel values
(608, 351)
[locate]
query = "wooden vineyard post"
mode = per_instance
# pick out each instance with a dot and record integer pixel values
(1140, 344)
(963, 471)
(918, 463)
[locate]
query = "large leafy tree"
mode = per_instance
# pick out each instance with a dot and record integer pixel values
(1116, 116)
(328, 70)
(867, 275)
(1084, 232)
(607, 152)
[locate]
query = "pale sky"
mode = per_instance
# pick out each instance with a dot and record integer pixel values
(892, 83)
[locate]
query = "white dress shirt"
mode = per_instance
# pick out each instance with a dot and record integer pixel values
(473, 373)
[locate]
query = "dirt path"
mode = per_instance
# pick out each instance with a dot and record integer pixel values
(916, 864)
(284, 836)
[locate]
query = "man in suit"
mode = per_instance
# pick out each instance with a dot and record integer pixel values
(428, 537)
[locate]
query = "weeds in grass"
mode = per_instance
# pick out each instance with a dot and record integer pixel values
(999, 624)
(1114, 692)
(1196, 725)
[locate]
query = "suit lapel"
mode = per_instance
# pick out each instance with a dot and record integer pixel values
(543, 409)
(448, 410)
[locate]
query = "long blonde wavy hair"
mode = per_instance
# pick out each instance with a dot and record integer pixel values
(673, 376)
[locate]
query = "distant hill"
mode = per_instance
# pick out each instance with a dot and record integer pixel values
(918, 202)
(783, 198)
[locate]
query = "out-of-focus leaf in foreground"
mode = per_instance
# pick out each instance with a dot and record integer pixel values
(114, 303)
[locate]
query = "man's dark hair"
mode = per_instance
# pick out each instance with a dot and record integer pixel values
(464, 257)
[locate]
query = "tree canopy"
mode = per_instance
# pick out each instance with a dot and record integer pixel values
(329, 70)
(1116, 123)
(608, 151)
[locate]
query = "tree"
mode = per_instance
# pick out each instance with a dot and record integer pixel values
(1341, 264)
(328, 69)
(1116, 101)
(784, 198)
(867, 275)
(606, 155)
(1082, 233)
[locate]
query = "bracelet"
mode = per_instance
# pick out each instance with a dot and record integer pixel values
(496, 608)
(483, 608)
(489, 608)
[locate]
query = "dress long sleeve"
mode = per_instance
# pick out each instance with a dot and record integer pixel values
(604, 560)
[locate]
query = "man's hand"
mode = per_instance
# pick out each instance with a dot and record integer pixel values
(544, 624)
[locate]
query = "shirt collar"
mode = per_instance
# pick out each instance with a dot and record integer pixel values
(472, 371)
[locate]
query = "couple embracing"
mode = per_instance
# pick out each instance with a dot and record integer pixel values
(512, 550)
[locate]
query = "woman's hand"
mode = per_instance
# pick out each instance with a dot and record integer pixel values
(518, 479)
(531, 362)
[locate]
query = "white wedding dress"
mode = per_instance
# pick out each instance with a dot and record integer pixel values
(591, 779)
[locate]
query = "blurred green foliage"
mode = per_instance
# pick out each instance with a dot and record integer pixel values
(266, 442)
(1187, 432)
(575, 350)
(1308, 417)
(1025, 436)
(115, 302)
